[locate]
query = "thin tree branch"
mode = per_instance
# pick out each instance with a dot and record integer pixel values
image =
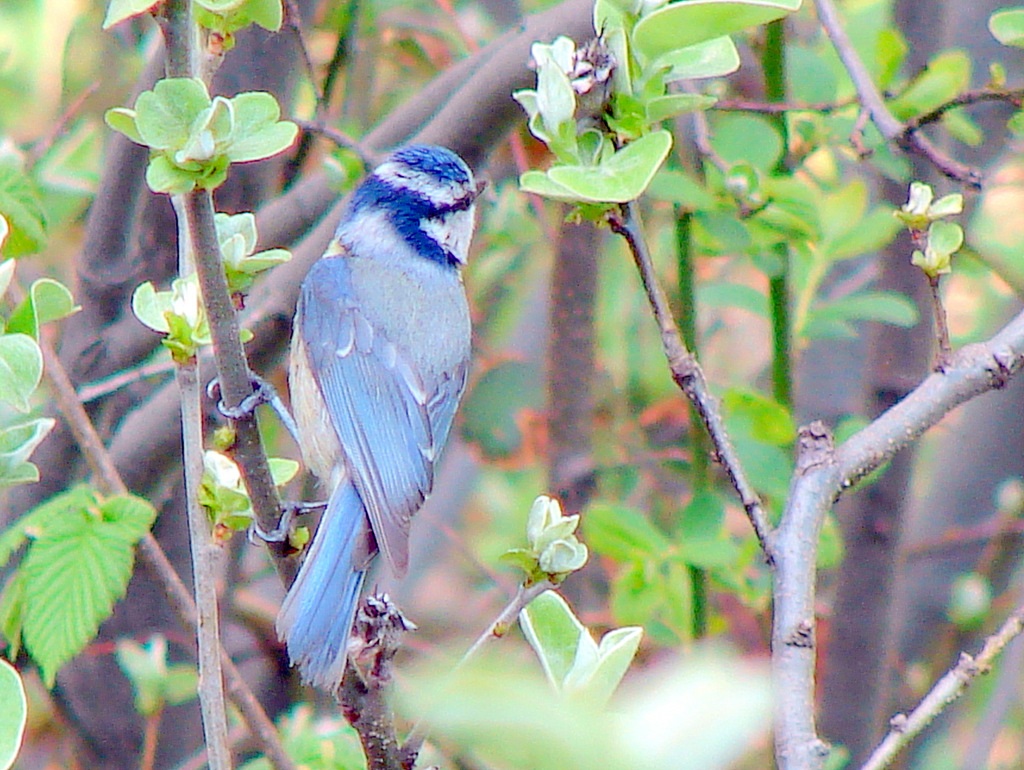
(905, 727)
(205, 558)
(233, 369)
(687, 373)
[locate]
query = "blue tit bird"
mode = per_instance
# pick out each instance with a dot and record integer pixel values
(379, 357)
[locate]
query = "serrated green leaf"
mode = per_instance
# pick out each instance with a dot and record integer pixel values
(623, 533)
(21, 207)
(1007, 26)
(554, 632)
(12, 607)
(21, 368)
(622, 177)
(17, 442)
(679, 25)
(664, 107)
(119, 10)
(13, 715)
(75, 571)
(711, 59)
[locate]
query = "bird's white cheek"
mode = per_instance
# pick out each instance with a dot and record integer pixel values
(454, 233)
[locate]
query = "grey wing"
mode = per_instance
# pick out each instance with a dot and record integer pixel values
(391, 426)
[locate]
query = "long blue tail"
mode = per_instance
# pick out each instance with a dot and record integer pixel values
(316, 616)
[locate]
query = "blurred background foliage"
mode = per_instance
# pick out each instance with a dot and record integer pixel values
(671, 551)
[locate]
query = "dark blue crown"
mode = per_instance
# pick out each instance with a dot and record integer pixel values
(440, 162)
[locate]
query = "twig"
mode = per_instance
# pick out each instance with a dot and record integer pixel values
(60, 127)
(205, 558)
(507, 617)
(892, 130)
(687, 373)
(1012, 96)
(376, 637)
(945, 350)
(904, 727)
(339, 139)
(779, 108)
(498, 628)
(91, 391)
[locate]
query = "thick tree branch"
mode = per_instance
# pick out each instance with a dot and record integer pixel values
(818, 482)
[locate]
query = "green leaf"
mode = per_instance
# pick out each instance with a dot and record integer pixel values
(678, 25)
(17, 442)
(162, 176)
(879, 306)
(257, 131)
(622, 177)
(1007, 26)
(598, 682)
(119, 10)
(945, 77)
(539, 183)
(21, 368)
(554, 632)
(711, 59)
(746, 139)
(703, 517)
(47, 300)
(492, 408)
(680, 187)
(165, 115)
(13, 715)
(624, 534)
(268, 14)
(20, 205)
(768, 420)
(74, 572)
(122, 120)
(664, 107)
(722, 295)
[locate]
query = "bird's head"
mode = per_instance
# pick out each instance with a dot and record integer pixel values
(428, 194)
